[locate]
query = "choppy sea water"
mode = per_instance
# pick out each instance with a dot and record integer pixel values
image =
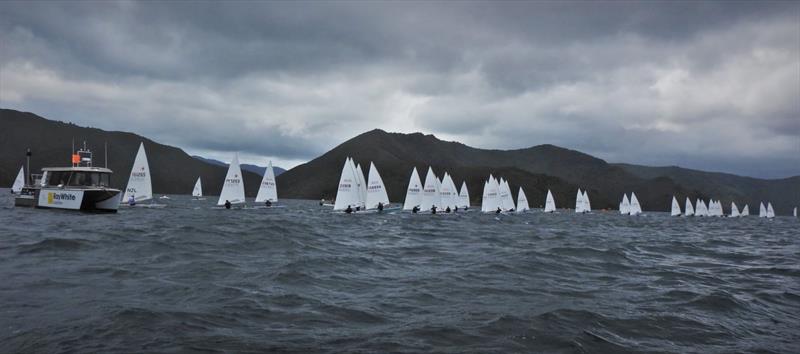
(303, 279)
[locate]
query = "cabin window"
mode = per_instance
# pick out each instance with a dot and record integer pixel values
(57, 177)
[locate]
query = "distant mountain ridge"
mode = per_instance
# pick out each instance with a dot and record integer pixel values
(535, 169)
(259, 170)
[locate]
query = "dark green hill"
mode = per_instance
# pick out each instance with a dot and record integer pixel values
(536, 169)
(173, 171)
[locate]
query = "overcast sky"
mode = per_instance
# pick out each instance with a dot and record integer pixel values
(707, 85)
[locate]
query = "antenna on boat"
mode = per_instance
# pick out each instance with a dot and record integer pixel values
(28, 158)
(105, 147)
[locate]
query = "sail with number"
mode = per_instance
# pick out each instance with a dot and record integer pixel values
(463, 195)
(490, 201)
(430, 192)
(198, 189)
(676, 208)
(770, 211)
(268, 189)
(19, 182)
(448, 192)
(522, 201)
(414, 191)
(549, 203)
(348, 192)
(139, 184)
(376, 191)
(233, 188)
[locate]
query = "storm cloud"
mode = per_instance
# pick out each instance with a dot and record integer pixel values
(709, 85)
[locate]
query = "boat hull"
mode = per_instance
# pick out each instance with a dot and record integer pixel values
(94, 200)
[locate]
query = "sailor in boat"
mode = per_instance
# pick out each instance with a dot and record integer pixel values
(349, 210)
(380, 207)
(322, 201)
(498, 211)
(227, 204)
(415, 209)
(358, 207)
(132, 200)
(447, 210)
(456, 209)
(268, 203)
(433, 209)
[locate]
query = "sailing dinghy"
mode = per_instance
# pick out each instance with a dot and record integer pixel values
(770, 211)
(676, 208)
(233, 188)
(268, 190)
(745, 211)
(376, 191)
(734, 210)
(197, 192)
(414, 191)
(549, 203)
(140, 186)
(625, 205)
(579, 202)
(762, 210)
(490, 201)
(348, 193)
(689, 207)
(19, 182)
(430, 193)
(522, 201)
(636, 209)
(463, 196)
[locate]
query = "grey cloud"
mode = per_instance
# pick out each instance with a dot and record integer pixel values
(292, 79)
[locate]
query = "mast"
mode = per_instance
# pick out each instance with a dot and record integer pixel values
(28, 162)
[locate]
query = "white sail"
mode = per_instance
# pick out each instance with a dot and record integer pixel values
(414, 191)
(579, 201)
(689, 207)
(700, 208)
(522, 201)
(794, 212)
(762, 210)
(233, 188)
(376, 191)
(448, 192)
(348, 192)
(19, 182)
(625, 205)
(508, 199)
(430, 192)
(734, 210)
(770, 211)
(587, 206)
(464, 195)
(549, 203)
(139, 184)
(636, 209)
(268, 189)
(362, 183)
(491, 194)
(198, 188)
(712, 208)
(745, 211)
(676, 208)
